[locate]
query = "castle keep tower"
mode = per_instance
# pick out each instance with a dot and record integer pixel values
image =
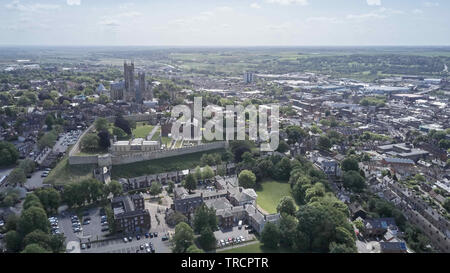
(130, 92)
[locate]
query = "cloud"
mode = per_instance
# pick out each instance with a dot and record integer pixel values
(73, 2)
(322, 19)
(109, 22)
(255, 6)
(288, 2)
(417, 11)
(431, 4)
(380, 13)
(17, 5)
(374, 2)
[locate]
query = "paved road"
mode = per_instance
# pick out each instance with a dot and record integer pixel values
(36, 181)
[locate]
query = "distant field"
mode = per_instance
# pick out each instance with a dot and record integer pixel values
(160, 165)
(270, 194)
(63, 173)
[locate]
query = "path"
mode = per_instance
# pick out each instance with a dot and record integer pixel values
(150, 135)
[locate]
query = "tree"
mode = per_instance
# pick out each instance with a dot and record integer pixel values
(447, 204)
(101, 124)
(31, 200)
(123, 124)
(190, 183)
(270, 235)
(282, 169)
(317, 227)
(119, 133)
(198, 173)
(350, 164)
(193, 249)
(247, 179)
(104, 140)
(324, 142)
(183, 238)
(286, 206)
(155, 189)
(27, 165)
(35, 248)
(207, 173)
(354, 181)
(207, 240)
(341, 248)
(8, 154)
(204, 217)
(13, 241)
(239, 147)
(38, 237)
(49, 198)
(288, 227)
(175, 218)
(115, 188)
(17, 177)
(47, 104)
(314, 192)
(11, 199)
(170, 186)
(47, 140)
(295, 134)
(90, 143)
(11, 222)
(283, 147)
(32, 219)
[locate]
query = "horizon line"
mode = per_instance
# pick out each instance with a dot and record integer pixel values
(241, 46)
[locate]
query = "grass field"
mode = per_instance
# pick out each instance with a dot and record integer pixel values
(63, 173)
(255, 248)
(270, 193)
(160, 165)
(142, 131)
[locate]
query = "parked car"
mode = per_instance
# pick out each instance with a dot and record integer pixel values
(125, 240)
(105, 229)
(138, 237)
(155, 234)
(147, 235)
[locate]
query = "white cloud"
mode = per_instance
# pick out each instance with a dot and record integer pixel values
(17, 5)
(73, 2)
(380, 13)
(431, 4)
(322, 19)
(374, 2)
(417, 11)
(255, 6)
(288, 2)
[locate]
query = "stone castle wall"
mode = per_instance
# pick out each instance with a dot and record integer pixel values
(140, 156)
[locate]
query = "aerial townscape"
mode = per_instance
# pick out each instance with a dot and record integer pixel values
(91, 159)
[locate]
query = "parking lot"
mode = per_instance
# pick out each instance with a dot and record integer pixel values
(119, 246)
(92, 231)
(234, 233)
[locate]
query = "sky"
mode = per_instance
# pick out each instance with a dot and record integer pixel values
(224, 22)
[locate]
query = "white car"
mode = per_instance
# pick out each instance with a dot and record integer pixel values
(125, 240)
